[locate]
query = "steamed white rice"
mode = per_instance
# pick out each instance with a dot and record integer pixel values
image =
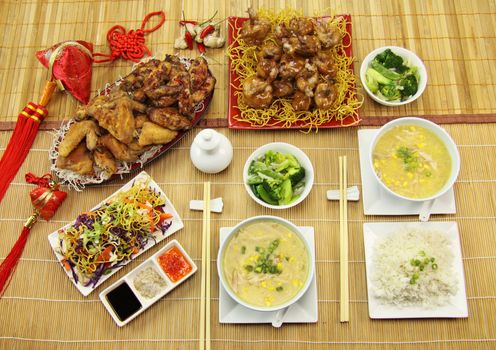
(392, 269)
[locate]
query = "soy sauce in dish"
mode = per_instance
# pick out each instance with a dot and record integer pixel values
(123, 301)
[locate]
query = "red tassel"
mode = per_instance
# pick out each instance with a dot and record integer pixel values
(46, 199)
(10, 263)
(20, 142)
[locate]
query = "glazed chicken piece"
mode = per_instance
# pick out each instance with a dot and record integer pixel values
(325, 64)
(79, 160)
(301, 101)
(290, 66)
(281, 33)
(270, 50)
(325, 95)
(134, 80)
(114, 112)
(303, 45)
(328, 35)
(255, 29)
(267, 69)
(105, 161)
(307, 79)
(76, 133)
(198, 72)
(154, 81)
(201, 93)
(169, 118)
(282, 88)
(257, 92)
(152, 134)
(118, 149)
(302, 26)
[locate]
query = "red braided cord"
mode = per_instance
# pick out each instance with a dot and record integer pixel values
(130, 45)
(42, 181)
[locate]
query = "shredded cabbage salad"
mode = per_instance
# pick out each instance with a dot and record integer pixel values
(103, 239)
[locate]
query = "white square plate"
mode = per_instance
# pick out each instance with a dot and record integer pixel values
(176, 225)
(457, 307)
(305, 310)
(376, 201)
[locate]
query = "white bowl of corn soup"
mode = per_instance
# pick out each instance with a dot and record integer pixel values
(265, 263)
(414, 159)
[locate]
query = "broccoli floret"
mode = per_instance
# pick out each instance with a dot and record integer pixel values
(409, 86)
(297, 176)
(390, 92)
(390, 60)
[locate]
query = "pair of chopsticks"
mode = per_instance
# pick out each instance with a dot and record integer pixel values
(205, 272)
(344, 300)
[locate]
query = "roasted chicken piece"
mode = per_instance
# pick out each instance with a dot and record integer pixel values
(139, 120)
(198, 71)
(79, 160)
(255, 29)
(105, 161)
(153, 134)
(114, 112)
(169, 118)
(200, 93)
(257, 92)
(76, 133)
(118, 149)
(135, 79)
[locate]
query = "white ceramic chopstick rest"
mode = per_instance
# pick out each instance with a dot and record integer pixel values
(216, 205)
(352, 194)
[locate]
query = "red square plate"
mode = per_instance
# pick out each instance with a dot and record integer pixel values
(234, 84)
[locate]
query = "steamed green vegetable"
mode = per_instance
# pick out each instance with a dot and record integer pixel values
(391, 78)
(276, 178)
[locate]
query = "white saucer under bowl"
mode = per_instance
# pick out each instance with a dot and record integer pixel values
(376, 201)
(305, 310)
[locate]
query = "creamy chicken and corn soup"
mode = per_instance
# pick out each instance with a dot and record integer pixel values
(265, 263)
(412, 161)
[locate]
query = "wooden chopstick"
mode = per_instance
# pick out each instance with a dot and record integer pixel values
(205, 274)
(343, 242)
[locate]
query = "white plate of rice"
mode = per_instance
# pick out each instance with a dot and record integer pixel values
(414, 270)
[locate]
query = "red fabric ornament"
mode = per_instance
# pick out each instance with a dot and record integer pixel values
(71, 67)
(46, 198)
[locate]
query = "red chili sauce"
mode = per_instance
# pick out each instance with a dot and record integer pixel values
(174, 264)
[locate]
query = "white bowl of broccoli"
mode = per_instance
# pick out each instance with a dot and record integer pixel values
(393, 76)
(278, 175)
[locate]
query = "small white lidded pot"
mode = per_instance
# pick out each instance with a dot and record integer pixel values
(211, 152)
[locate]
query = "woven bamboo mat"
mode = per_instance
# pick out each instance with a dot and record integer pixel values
(455, 39)
(43, 310)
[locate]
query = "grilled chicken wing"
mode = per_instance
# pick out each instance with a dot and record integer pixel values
(169, 118)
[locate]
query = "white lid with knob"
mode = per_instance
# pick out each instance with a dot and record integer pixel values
(211, 151)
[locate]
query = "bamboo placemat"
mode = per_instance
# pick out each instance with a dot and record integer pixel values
(43, 310)
(455, 39)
